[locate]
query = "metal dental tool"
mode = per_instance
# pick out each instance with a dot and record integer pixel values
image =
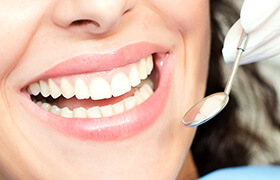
(213, 104)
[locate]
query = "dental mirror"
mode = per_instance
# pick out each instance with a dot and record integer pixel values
(211, 105)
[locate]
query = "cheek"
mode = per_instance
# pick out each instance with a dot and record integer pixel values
(184, 14)
(18, 21)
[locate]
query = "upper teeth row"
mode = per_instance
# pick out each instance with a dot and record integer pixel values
(98, 88)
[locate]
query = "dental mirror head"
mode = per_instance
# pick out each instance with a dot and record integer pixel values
(205, 109)
(210, 106)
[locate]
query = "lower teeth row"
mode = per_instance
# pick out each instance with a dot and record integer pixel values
(140, 96)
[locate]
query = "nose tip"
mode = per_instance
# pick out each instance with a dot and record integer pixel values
(95, 16)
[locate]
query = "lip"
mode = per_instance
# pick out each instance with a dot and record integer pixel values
(98, 62)
(119, 126)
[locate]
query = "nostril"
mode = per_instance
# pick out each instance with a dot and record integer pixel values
(83, 22)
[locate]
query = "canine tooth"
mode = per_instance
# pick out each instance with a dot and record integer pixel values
(34, 89)
(107, 110)
(46, 106)
(145, 95)
(66, 112)
(150, 64)
(67, 89)
(80, 112)
(118, 107)
(100, 89)
(54, 109)
(81, 89)
(138, 97)
(134, 77)
(94, 112)
(129, 102)
(120, 84)
(142, 69)
(44, 88)
(54, 89)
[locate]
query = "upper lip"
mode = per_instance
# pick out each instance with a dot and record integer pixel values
(94, 62)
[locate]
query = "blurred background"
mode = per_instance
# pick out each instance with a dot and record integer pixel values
(270, 69)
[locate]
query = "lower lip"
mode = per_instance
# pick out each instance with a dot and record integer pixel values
(112, 128)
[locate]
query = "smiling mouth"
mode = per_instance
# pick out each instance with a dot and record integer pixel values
(103, 97)
(97, 95)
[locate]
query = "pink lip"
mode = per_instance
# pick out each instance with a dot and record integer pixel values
(115, 127)
(102, 62)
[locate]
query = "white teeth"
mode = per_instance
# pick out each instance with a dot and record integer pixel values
(134, 77)
(67, 89)
(54, 89)
(97, 89)
(142, 69)
(39, 103)
(100, 89)
(150, 64)
(118, 107)
(81, 89)
(80, 112)
(211, 104)
(144, 93)
(138, 97)
(129, 103)
(46, 106)
(94, 112)
(44, 88)
(199, 117)
(107, 110)
(120, 84)
(66, 112)
(34, 89)
(148, 89)
(54, 109)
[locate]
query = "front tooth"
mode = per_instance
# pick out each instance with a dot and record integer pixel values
(129, 102)
(120, 84)
(150, 64)
(46, 106)
(34, 89)
(142, 69)
(94, 112)
(66, 112)
(100, 89)
(134, 77)
(81, 89)
(107, 110)
(80, 112)
(54, 109)
(67, 89)
(44, 88)
(118, 107)
(54, 89)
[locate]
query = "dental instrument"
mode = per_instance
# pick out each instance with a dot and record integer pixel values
(213, 104)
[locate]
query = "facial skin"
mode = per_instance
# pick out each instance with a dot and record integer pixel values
(37, 34)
